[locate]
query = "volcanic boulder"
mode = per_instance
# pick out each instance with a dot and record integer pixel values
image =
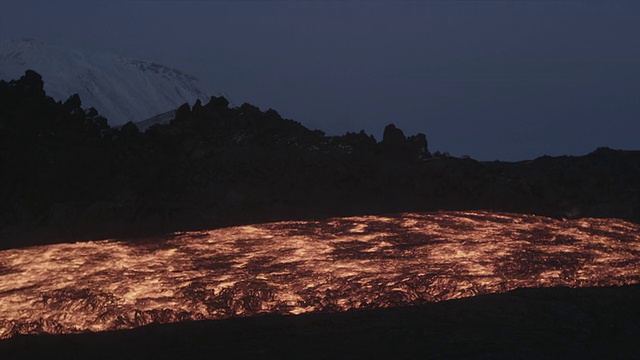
(396, 147)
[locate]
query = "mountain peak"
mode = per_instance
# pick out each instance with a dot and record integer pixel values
(121, 89)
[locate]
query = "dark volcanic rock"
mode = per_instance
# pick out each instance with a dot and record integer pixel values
(393, 137)
(397, 147)
(217, 166)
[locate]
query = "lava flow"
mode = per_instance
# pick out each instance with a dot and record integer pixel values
(302, 266)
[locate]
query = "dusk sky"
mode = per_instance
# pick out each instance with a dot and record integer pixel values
(508, 80)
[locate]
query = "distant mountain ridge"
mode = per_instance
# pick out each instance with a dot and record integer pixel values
(121, 89)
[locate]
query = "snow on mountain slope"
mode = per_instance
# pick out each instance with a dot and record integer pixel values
(163, 118)
(120, 89)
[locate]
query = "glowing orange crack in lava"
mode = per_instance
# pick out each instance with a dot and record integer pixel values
(302, 266)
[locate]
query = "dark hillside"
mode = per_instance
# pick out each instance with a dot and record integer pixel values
(67, 175)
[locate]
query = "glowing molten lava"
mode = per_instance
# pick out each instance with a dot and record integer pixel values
(302, 266)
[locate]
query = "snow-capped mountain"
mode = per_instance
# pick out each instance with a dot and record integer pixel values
(120, 89)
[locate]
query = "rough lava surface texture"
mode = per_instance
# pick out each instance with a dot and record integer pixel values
(298, 267)
(120, 89)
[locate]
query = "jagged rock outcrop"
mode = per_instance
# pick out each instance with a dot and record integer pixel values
(397, 147)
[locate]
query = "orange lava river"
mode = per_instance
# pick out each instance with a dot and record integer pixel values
(304, 266)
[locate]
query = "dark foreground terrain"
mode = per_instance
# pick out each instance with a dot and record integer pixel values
(586, 323)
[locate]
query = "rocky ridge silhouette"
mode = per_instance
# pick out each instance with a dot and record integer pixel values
(66, 174)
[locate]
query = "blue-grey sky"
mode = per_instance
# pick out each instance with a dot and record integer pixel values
(506, 80)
